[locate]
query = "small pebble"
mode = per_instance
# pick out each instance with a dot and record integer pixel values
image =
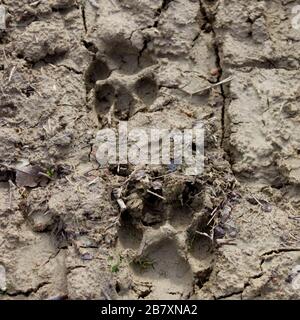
(87, 256)
(215, 72)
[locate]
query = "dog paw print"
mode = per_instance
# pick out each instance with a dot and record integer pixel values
(120, 85)
(167, 248)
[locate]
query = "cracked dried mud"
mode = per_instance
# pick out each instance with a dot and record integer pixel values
(69, 68)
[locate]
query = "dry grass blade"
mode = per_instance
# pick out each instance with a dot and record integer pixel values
(155, 194)
(213, 85)
(221, 242)
(11, 74)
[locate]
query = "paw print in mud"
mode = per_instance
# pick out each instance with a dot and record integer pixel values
(120, 84)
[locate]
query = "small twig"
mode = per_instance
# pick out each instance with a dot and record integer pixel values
(117, 194)
(130, 176)
(213, 85)
(113, 3)
(205, 235)
(112, 224)
(155, 194)
(257, 201)
(10, 193)
(293, 237)
(226, 242)
(94, 181)
(5, 57)
(36, 90)
(68, 179)
(11, 73)
(121, 204)
(110, 115)
(294, 218)
(215, 211)
(36, 3)
(45, 175)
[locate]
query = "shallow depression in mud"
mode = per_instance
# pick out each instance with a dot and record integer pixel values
(163, 263)
(98, 70)
(104, 98)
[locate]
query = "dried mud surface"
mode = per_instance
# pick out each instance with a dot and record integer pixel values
(69, 68)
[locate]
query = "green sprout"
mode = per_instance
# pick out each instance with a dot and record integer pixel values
(115, 267)
(50, 173)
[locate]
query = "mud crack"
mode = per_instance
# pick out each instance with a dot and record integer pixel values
(209, 19)
(83, 17)
(280, 250)
(160, 10)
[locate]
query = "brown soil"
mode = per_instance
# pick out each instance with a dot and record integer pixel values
(69, 68)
